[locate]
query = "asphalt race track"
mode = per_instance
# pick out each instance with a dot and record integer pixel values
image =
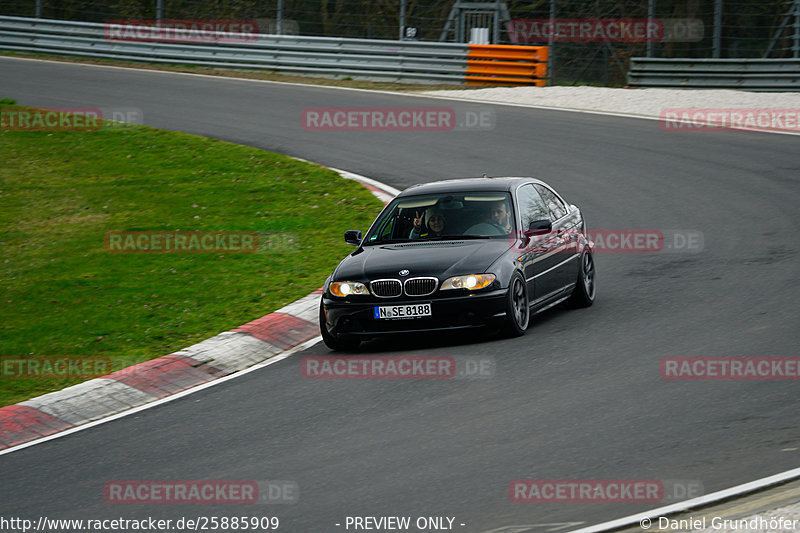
(579, 397)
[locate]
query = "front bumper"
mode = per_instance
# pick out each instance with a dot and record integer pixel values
(457, 312)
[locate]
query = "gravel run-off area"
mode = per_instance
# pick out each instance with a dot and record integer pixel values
(741, 109)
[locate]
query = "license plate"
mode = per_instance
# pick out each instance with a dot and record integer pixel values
(403, 311)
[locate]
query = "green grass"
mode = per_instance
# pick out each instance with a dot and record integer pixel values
(63, 294)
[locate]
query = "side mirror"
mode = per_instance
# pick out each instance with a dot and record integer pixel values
(539, 227)
(352, 236)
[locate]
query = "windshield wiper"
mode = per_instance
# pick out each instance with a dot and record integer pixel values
(462, 237)
(387, 241)
(429, 239)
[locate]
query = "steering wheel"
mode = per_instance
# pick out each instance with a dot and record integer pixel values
(485, 228)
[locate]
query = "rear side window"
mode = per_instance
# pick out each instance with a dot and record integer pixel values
(531, 206)
(554, 205)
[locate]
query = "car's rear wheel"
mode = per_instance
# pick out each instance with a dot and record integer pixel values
(335, 342)
(584, 292)
(518, 312)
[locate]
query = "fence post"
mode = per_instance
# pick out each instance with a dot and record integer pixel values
(496, 28)
(717, 29)
(796, 45)
(402, 20)
(551, 49)
(651, 14)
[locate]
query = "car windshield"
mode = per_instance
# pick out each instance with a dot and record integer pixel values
(466, 215)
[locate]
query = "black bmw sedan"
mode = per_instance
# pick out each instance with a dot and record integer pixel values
(459, 254)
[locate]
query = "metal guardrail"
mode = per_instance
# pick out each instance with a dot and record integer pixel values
(365, 58)
(510, 65)
(746, 74)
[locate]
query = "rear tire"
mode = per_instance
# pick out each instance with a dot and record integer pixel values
(335, 342)
(585, 290)
(518, 311)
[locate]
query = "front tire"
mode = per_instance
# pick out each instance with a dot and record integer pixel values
(518, 311)
(584, 292)
(335, 342)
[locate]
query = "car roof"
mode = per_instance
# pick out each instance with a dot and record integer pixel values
(506, 183)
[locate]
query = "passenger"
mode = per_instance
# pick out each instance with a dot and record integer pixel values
(432, 226)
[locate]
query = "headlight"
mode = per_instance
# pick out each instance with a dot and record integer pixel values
(346, 288)
(472, 282)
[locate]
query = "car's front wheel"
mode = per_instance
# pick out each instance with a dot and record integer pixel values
(518, 312)
(584, 292)
(335, 342)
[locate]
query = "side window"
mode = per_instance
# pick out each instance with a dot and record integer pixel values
(386, 231)
(531, 206)
(555, 206)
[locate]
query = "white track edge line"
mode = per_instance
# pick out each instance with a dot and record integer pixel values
(346, 174)
(274, 359)
(700, 501)
(399, 93)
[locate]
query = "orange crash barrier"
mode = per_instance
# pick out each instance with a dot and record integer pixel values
(497, 64)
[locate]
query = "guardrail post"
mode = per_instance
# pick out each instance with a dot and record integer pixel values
(551, 49)
(402, 20)
(39, 9)
(496, 30)
(279, 19)
(744, 74)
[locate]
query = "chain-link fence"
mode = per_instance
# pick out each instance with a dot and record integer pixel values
(591, 40)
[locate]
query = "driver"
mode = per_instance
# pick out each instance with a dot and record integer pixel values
(434, 221)
(500, 217)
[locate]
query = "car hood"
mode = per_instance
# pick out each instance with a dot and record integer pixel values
(441, 259)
